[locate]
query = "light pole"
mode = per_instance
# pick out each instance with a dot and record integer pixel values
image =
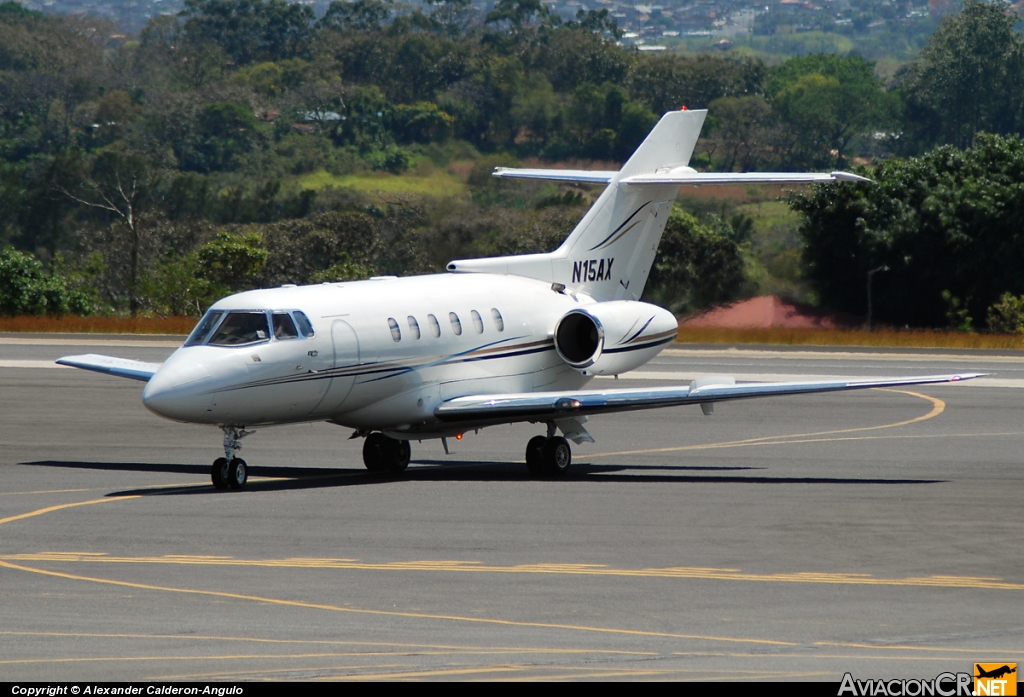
(871, 273)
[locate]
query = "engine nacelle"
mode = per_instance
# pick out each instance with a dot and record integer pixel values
(613, 337)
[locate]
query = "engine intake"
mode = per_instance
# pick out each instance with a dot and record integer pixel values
(579, 338)
(613, 337)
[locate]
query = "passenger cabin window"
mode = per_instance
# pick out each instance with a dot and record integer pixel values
(396, 332)
(478, 322)
(435, 328)
(203, 329)
(284, 328)
(304, 325)
(456, 323)
(241, 328)
(414, 327)
(499, 321)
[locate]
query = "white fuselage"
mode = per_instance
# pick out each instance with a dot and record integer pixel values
(365, 367)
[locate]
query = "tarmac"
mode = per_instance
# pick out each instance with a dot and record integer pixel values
(797, 538)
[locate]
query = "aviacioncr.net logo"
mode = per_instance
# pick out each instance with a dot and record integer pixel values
(995, 679)
(942, 685)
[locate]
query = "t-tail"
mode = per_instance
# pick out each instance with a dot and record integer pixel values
(609, 254)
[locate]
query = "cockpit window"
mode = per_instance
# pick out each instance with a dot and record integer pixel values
(284, 328)
(203, 329)
(304, 325)
(240, 328)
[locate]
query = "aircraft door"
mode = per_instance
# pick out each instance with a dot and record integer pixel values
(346, 364)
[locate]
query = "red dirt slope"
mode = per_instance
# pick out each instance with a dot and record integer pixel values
(769, 311)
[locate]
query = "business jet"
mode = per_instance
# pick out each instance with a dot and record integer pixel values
(493, 341)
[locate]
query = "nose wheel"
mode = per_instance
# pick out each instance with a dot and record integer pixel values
(548, 457)
(230, 471)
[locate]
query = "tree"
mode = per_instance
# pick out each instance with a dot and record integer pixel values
(122, 186)
(521, 15)
(948, 223)
(969, 78)
(666, 82)
(825, 102)
(25, 289)
(697, 266)
(744, 133)
(225, 132)
(361, 15)
(573, 55)
(250, 30)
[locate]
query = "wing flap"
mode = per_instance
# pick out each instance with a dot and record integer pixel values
(503, 408)
(110, 365)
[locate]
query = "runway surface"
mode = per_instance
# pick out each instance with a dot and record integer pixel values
(876, 532)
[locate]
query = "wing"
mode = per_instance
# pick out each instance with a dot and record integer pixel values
(543, 406)
(121, 367)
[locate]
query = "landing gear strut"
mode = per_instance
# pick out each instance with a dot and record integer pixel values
(231, 471)
(548, 456)
(384, 454)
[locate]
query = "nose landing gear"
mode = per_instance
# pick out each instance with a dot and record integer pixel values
(231, 471)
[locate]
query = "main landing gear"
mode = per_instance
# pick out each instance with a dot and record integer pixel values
(231, 471)
(548, 456)
(384, 454)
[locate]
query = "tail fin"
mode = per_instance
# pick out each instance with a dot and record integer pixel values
(608, 255)
(612, 248)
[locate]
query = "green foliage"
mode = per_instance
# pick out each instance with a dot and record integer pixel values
(697, 265)
(956, 313)
(250, 30)
(1007, 315)
(825, 101)
(344, 270)
(422, 122)
(232, 262)
(225, 132)
(361, 15)
(133, 153)
(948, 221)
(25, 289)
(969, 78)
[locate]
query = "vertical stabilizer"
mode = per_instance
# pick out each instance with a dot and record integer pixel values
(609, 254)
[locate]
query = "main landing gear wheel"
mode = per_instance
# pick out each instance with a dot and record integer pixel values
(548, 457)
(384, 454)
(238, 473)
(535, 455)
(233, 475)
(220, 473)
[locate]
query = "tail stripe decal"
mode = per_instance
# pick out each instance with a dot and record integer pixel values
(601, 243)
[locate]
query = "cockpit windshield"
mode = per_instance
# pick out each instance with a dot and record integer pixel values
(203, 329)
(240, 328)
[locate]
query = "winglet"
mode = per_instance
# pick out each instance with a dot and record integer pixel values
(840, 176)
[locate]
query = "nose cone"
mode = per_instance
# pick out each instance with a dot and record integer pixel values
(180, 390)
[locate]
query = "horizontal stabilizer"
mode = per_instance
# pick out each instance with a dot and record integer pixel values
(120, 367)
(688, 177)
(540, 406)
(705, 178)
(580, 176)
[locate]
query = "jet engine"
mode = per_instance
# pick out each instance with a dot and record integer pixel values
(613, 337)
